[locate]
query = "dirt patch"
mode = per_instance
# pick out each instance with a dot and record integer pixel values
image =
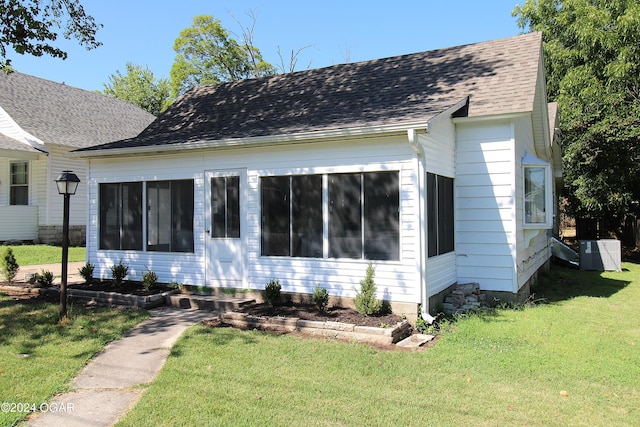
(311, 312)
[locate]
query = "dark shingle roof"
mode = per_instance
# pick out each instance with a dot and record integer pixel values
(63, 115)
(499, 76)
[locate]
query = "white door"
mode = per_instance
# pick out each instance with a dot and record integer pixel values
(225, 226)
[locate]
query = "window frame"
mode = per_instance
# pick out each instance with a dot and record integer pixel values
(529, 163)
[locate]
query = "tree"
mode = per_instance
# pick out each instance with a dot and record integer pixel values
(140, 87)
(592, 50)
(205, 54)
(29, 27)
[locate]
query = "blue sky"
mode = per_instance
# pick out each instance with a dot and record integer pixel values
(143, 32)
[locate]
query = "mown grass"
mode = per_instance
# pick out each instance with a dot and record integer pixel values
(38, 355)
(43, 254)
(573, 361)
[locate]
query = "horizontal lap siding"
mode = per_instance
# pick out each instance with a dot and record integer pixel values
(395, 280)
(485, 215)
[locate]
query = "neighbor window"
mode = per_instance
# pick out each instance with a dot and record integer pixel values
(168, 209)
(363, 215)
(170, 216)
(19, 184)
(537, 194)
(440, 215)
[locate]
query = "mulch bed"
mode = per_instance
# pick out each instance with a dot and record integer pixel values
(311, 312)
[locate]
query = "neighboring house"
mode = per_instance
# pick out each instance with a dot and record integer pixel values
(40, 121)
(437, 167)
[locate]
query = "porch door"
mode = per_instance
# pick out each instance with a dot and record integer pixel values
(225, 226)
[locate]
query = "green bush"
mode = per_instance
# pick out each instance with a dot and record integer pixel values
(9, 265)
(272, 292)
(149, 280)
(44, 279)
(321, 298)
(87, 273)
(119, 272)
(366, 302)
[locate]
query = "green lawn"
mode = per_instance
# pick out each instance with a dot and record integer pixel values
(38, 356)
(43, 254)
(574, 361)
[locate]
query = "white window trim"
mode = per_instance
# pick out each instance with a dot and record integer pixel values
(530, 161)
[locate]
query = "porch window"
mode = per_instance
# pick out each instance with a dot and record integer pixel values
(170, 216)
(225, 207)
(121, 216)
(363, 215)
(292, 216)
(440, 215)
(537, 194)
(19, 184)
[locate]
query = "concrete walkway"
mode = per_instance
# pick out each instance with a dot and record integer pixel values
(108, 386)
(73, 276)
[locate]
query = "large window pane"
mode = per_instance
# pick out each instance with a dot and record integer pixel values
(182, 216)
(19, 184)
(440, 215)
(307, 215)
(131, 214)
(276, 215)
(121, 216)
(381, 216)
(170, 216)
(225, 207)
(534, 195)
(109, 216)
(345, 216)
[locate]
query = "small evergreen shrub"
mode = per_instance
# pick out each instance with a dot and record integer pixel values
(9, 265)
(272, 292)
(119, 272)
(365, 301)
(149, 280)
(86, 272)
(44, 279)
(321, 298)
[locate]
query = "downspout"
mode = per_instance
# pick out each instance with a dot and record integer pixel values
(415, 145)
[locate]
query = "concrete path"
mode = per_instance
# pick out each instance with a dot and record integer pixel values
(107, 387)
(73, 276)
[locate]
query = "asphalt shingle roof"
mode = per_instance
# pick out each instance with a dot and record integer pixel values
(499, 76)
(63, 115)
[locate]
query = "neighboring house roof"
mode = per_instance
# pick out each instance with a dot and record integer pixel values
(58, 114)
(499, 77)
(9, 144)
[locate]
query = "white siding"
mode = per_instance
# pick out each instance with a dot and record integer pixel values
(18, 223)
(57, 162)
(396, 280)
(485, 215)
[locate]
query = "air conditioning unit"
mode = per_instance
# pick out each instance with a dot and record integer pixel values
(600, 255)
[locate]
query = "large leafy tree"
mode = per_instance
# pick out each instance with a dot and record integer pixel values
(206, 53)
(32, 27)
(140, 87)
(592, 50)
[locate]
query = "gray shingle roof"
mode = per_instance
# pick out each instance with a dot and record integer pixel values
(63, 115)
(500, 76)
(8, 143)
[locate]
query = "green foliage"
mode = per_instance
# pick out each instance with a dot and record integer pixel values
(44, 279)
(86, 272)
(593, 72)
(365, 301)
(206, 54)
(119, 272)
(140, 87)
(272, 291)
(320, 298)
(30, 27)
(149, 280)
(9, 265)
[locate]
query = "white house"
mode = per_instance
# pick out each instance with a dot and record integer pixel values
(437, 167)
(40, 121)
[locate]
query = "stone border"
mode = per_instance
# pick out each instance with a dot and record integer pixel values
(346, 331)
(119, 299)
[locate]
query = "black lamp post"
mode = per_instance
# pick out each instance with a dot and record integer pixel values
(67, 183)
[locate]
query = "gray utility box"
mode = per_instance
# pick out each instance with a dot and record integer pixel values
(600, 255)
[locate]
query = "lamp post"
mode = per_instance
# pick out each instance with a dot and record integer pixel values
(67, 183)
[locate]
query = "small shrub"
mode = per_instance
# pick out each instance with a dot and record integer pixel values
(44, 279)
(119, 272)
(87, 273)
(321, 298)
(365, 301)
(9, 265)
(149, 280)
(272, 292)
(175, 286)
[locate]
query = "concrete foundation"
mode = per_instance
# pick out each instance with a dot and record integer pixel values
(52, 235)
